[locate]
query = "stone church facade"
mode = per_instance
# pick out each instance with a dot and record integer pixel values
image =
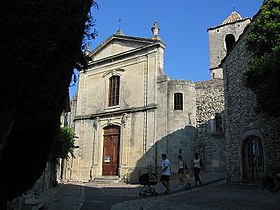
(127, 111)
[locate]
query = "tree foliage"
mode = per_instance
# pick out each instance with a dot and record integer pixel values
(262, 75)
(40, 45)
(64, 144)
(90, 34)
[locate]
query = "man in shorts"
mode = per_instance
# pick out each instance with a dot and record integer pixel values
(165, 173)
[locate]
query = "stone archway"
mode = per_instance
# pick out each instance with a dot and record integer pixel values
(253, 161)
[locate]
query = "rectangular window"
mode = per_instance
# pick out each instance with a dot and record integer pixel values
(66, 120)
(178, 101)
(114, 86)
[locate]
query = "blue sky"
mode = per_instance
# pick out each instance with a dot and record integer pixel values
(183, 28)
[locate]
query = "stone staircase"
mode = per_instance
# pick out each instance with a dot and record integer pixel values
(106, 179)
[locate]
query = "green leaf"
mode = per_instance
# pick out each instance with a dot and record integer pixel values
(262, 74)
(65, 143)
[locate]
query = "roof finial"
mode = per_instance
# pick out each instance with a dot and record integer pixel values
(119, 31)
(119, 23)
(155, 30)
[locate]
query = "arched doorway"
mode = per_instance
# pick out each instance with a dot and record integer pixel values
(230, 40)
(253, 164)
(110, 161)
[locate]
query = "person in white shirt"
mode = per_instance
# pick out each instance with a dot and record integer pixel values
(196, 168)
(165, 173)
(181, 170)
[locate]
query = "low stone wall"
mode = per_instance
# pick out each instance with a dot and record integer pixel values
(45, 182)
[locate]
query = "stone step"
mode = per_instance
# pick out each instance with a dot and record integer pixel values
(106, 179)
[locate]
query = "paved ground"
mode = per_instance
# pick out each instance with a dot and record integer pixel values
(213, 194)
(211, 197)
(63, 197)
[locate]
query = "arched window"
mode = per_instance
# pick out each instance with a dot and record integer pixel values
(216, 124)
(178, 101)
(230, 40)
(114, 90)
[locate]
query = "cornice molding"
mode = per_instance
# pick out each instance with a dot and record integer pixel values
(116, 112)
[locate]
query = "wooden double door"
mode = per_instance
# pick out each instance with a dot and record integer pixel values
(110, 162)
(253, 161)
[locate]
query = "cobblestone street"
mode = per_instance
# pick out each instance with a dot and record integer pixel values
(214, 196)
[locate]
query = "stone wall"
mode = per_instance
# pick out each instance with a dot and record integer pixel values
(242, 118)
(210, 142)
(45, 182)
(217, 43)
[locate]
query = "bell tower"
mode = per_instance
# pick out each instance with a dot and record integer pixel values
(222, 39)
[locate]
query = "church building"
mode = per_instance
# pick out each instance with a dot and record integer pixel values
(127, 111)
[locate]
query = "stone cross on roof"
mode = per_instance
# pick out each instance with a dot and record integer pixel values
(120, 32)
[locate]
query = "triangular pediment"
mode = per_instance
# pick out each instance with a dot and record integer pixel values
(233, 17)
(118, 44)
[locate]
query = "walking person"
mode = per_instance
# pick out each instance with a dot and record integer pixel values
(196, 168)
(181, 170)
(165, 173)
